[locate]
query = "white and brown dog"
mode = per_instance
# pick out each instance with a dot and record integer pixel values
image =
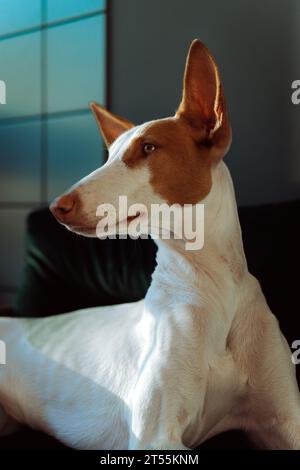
(202, 353)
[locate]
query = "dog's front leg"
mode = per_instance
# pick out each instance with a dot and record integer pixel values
(154, 424)
(162, 410)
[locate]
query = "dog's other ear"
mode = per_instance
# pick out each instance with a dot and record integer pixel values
(203, 103)
(110, 125)
(200, 103)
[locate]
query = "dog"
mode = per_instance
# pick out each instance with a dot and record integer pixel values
(202, 353)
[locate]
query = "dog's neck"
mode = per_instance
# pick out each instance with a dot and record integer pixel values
(223, 245)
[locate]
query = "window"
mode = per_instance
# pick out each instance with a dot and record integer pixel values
(53, 63)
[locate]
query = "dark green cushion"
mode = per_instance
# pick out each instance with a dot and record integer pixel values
(64, 271)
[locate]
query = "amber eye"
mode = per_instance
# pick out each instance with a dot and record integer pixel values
(149, 148)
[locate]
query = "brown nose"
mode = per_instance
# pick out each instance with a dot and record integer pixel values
(63, 208)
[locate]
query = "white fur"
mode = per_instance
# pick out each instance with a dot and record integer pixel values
(202, 353)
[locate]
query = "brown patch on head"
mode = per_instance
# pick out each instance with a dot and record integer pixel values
(189, 144)
(134, 155)
(180, 171)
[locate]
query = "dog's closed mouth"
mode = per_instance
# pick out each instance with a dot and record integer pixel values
(119, 226)
(132, 217)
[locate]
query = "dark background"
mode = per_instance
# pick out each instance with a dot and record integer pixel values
(257, 46)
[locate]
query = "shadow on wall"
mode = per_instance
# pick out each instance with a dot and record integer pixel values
(255, 44)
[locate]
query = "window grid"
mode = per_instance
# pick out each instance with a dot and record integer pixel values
(44, 116)
(51, 24)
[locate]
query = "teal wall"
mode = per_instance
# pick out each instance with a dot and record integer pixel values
(53, 61)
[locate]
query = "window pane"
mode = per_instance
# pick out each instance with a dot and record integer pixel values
(58, 9)
(76, 64)
(12, 245)
(14, 15)
(75, 149)
(20, 162)
(20, 69)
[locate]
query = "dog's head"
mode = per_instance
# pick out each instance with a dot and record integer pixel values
(163, 161)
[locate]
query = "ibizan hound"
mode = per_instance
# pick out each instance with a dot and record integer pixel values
(202, 353)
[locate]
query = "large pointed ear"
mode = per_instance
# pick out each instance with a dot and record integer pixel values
(110, 125)
(203, 103)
